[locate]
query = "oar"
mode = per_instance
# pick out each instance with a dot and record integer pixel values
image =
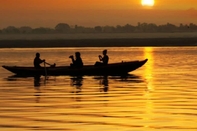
(47, 63)
(50, 64)
(45, 69)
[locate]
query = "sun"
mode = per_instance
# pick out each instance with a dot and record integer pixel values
(148, 2)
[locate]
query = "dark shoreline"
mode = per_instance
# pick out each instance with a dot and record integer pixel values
(115, 42)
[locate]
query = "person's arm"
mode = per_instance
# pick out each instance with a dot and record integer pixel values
(40, 61)
(43, 60)
(100, 58)
(72, 58)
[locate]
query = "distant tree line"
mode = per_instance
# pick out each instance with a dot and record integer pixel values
(65, 28)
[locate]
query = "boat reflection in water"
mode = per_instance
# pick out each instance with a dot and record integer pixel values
(83, 85)
(37, 81)
(77, 81)
(103, 82)
(37, 85)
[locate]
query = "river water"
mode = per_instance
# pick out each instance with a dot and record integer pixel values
(161, 95)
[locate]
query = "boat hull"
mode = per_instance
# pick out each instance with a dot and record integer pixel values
(110, 69)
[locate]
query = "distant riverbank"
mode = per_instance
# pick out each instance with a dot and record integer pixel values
(96, 36)
(98, 40)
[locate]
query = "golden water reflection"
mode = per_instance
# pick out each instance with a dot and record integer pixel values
(148, 53)
(149, 104)
(159, 96)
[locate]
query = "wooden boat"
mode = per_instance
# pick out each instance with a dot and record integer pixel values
(110, 69)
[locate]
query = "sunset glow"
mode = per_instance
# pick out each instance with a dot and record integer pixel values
(147, 2)
(48, 13)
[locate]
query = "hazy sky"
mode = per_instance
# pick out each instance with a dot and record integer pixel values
(48, 13)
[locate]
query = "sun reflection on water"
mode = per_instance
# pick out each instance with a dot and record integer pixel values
(148, 53)
(149, 105)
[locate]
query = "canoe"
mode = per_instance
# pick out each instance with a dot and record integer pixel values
(120, 68)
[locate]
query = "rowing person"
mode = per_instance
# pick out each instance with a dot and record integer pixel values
(38, 61)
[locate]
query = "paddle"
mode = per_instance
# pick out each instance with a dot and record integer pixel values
(50, 64)
(45, 69)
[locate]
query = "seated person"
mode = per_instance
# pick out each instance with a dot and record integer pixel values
(77, 62)
(103, 59)
(37, 61)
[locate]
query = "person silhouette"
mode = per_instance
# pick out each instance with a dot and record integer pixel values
(77, 62)
(38, 61)
(103, 59)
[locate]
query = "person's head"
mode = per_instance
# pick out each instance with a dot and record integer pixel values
(37, 54)
(77, 54)
(104, 52)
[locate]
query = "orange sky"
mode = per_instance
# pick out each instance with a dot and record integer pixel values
(48, 13)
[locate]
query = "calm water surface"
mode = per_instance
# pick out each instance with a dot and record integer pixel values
(161, 95)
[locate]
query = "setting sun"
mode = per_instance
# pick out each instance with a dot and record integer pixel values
(147, 2)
